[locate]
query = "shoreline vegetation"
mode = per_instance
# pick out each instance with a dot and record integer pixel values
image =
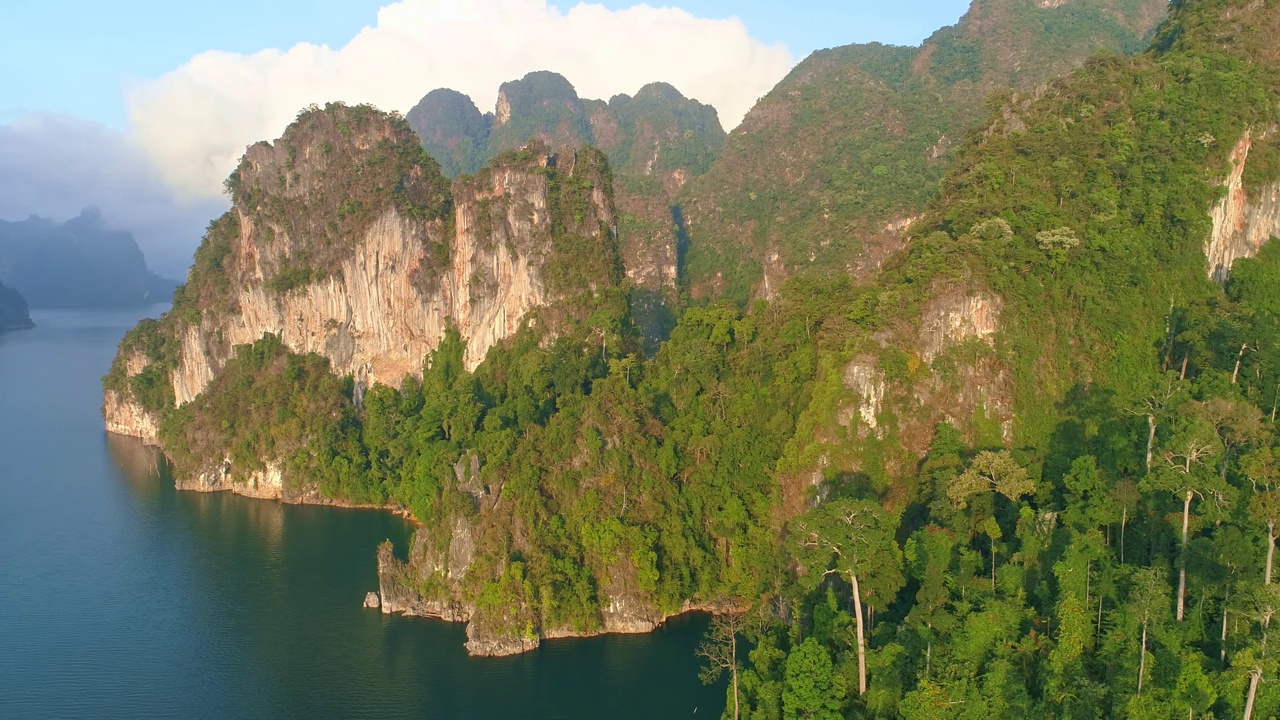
(1028, 469)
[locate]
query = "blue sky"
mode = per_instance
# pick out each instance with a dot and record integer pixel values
(76, 57)
(112, 104)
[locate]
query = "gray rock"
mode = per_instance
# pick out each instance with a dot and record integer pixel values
(372, 600)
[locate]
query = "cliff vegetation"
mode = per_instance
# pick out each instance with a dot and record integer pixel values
(828, 170)
(1026, 469)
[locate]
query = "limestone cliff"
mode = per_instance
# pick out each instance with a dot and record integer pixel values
(944, 368)
(369, 276)
(656, 141)
(1244, 218)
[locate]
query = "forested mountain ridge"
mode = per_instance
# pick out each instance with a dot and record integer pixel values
(1027, 470)
(13, 310)
(828, 169)
(656, 141)
(652, 133)
(1115, 558)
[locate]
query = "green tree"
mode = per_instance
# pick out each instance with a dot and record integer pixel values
(1149, 605)
(1256, 659)
(929, 553)
(1237, 422)
(1264, 507)
(811, 690)
(1183, 475)
(994, 472)
(853, 538)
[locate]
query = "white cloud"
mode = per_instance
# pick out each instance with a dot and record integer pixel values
(196, 121)
(55, 166)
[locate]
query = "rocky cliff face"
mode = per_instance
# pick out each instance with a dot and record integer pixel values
(889, 398)
(377, 302)
(656, 141)
(939, 386)
(370, 318)
(1244, 218)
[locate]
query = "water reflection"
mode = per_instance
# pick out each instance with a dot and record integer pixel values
(277, 588)
(136, 462)
(124, 598)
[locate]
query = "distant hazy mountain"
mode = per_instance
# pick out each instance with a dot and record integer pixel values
(13, 310)
(79, 263)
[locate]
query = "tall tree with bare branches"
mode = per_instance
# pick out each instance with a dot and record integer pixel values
(855, 539)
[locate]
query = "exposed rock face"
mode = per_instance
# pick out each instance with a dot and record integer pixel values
(1243, 219)
(371, 600)
(864, 377)
(125, 417)
(488, 259)
(958, 389)
(370, 319)
(390, 292)
(265, 484)
(953, 374)
(952, 318)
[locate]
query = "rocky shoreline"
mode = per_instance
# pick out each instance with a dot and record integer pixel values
(400, 587)
(396, 594)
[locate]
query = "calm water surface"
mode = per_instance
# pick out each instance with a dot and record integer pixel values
(122, 598)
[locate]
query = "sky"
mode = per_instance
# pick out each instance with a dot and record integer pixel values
(142, 107)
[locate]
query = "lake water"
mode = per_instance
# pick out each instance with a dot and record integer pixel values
(122, 598)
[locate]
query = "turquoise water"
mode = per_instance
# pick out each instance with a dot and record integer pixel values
(122, 598)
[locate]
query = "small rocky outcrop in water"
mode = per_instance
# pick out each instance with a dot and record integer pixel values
(372, 600)
(13, 311)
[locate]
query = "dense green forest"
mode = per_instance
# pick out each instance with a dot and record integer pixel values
(855, 140)
(1109, 554)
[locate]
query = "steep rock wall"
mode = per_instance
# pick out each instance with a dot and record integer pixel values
(951, 389)
(1242, 220)
(373, 319)
(889, 398)
(125, 417)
